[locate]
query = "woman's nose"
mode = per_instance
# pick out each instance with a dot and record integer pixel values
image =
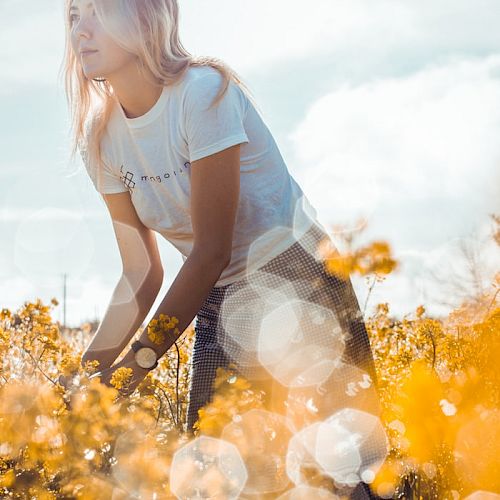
(83, 28)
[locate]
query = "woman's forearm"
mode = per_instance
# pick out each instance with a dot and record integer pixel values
(184, 299)
(132, 299)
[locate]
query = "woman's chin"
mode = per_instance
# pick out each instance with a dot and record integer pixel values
(91, 72)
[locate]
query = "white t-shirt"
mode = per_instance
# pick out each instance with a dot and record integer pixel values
(151, 155)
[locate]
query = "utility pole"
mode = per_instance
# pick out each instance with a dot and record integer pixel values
(64, 301)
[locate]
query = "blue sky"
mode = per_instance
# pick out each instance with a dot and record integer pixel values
(383, 109)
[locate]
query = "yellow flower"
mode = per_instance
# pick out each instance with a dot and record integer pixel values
(7, 479)
(5, 314)
(70, 364)
(157, 328)
(121, 377)
(420, 311)
(373, 259)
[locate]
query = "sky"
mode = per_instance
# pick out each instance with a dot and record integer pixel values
(383, 110)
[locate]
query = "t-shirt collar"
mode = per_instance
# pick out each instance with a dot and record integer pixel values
(149, 116)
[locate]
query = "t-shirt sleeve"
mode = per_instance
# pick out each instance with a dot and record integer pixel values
(103, 178)
(208, 131)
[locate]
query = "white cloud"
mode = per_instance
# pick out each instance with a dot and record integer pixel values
(406, 153)
(254, 34)
(431, 134)
(14, 290)
(31, 43)
(439, 278)
(262, 32)
(20, 214)
(457, 270)
(86, 298)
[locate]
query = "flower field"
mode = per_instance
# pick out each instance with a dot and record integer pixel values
(437, 435)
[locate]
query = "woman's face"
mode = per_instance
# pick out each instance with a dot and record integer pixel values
(87, 33)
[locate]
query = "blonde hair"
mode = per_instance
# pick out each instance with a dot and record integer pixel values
(147, 28)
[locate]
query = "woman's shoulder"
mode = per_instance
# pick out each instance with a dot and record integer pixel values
(195, 73)
(203, 83)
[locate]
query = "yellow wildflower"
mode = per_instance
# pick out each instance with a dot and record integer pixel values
(158, 328)
(121, 377)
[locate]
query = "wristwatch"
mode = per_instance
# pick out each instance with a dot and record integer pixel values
(145, 356)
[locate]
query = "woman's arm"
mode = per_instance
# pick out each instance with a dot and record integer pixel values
(138, 287)
(214, 202)
(132, 299)
(183, 300)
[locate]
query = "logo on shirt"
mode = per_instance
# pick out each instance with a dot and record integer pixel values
(128, 177)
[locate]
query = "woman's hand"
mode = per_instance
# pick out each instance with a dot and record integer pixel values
(128, 361)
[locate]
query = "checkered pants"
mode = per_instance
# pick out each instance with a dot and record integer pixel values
(298, 271)
(298, 266)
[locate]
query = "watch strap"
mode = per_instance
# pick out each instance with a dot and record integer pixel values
(137, 345)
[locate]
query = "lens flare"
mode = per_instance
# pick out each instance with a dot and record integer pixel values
(207, 467)
(351, 446)
(307, 493)
(347, 386)
(262, 439)
(301, 453)
(297, 348)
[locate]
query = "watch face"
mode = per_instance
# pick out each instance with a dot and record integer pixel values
(145, 357)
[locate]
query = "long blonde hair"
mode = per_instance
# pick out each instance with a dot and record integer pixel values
(147, 28)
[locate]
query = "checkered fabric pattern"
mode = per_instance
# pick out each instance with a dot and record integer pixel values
(300, 267)
(297, 272)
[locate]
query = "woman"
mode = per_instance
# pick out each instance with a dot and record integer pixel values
(175, 145)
